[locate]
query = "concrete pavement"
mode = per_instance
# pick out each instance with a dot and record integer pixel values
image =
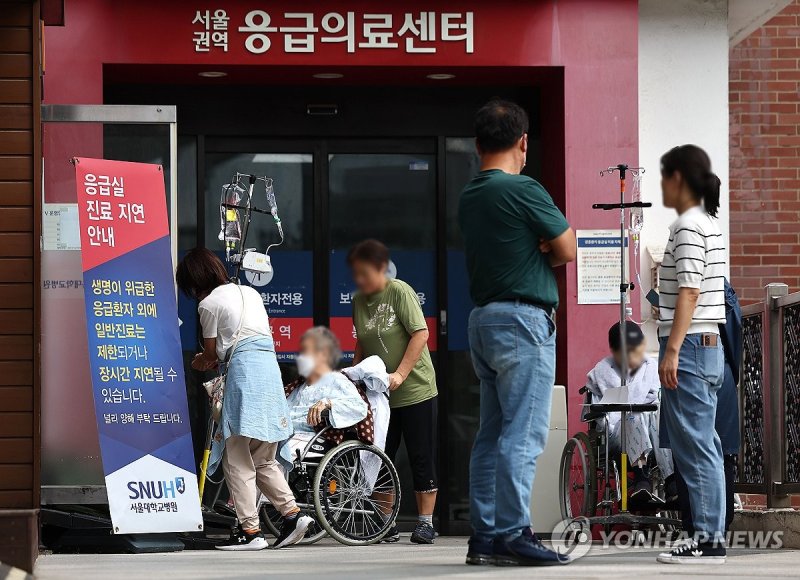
(329, 560)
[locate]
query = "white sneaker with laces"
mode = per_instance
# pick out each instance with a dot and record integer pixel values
(241, 541)
(292, 530)
(690, 552)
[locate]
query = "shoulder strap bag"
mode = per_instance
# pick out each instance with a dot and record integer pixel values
(216, 386)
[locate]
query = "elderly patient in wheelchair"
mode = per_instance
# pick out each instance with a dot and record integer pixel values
(335, 462)
(641, 431)
(322, 395)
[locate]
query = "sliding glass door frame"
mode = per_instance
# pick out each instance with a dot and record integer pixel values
(320, 149)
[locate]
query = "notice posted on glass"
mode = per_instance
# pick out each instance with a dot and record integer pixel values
(599, 266)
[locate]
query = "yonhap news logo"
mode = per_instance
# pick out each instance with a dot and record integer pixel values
(156, 489)
(574, 538)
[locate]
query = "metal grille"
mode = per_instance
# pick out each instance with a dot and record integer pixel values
(791, 378)
(752, 470)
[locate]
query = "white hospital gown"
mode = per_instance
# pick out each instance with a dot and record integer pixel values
(641, 431)
(347, 406)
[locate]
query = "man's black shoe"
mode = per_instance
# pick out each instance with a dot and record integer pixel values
(525, 550)
(480, 551)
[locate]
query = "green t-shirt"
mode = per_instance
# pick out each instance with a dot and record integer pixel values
(503, 217)
(384, 324)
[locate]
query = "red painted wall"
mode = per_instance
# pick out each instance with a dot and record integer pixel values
(589, 121)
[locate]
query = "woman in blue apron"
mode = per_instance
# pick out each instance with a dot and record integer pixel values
(255, 416)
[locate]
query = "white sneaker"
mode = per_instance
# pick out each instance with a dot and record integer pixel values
(241, 541)
(292, 530)
(690, 552)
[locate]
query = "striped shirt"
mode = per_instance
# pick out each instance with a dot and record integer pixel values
(694, 258)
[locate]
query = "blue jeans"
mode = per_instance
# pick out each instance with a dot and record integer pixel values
(513, 348)
(688, 414)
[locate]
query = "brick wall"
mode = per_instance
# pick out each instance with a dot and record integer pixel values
(765, 157)
(765, 163)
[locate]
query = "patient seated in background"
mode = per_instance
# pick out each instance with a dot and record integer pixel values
(641, 431)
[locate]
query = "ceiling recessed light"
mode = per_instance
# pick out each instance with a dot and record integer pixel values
(327, 75)
(440, 76)
(212, 74)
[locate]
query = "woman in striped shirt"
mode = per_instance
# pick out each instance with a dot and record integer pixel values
(691, 306)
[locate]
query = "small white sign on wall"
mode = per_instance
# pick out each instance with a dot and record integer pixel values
(60, 227)
(599, 266)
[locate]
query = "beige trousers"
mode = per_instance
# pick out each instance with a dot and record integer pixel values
(249, 466)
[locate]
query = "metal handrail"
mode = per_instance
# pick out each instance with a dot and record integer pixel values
(778, 425)
(788, 300)
(753, 309)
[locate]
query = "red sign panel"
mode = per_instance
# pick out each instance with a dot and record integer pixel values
(117, 223)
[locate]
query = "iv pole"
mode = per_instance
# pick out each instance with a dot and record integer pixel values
(248, 208)
(624, 287)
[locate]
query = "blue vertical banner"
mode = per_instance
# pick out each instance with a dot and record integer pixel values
(134, 348)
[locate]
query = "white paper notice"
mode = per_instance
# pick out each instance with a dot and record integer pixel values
(60, 229)
(617, 396)
(598, 266)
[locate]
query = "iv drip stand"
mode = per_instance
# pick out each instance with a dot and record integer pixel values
(624, 287)
(248, 209)
(246, 226)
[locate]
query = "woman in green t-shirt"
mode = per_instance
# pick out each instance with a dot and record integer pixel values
(389, 323)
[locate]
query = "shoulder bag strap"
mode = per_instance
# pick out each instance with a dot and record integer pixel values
(239, 330)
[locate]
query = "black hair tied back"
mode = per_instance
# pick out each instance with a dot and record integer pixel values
(694, 165)
(711, 194)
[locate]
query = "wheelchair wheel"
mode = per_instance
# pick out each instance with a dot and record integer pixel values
(578, 477)
(272, 520)
(356, 493)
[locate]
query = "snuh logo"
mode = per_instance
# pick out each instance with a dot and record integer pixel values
(156, 489)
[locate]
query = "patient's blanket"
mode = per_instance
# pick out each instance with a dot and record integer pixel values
(372, 372)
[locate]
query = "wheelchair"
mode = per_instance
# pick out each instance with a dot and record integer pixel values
(351, 490)
(594, 480)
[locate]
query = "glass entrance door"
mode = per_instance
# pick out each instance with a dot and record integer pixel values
(387, 192)
(333, 193)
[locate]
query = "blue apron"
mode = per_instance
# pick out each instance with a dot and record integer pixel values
(254, 405)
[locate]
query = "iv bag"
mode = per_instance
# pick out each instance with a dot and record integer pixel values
(230, 226)
(637, 213)
(269, 192)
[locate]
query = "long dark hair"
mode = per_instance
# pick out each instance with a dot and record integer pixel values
(199, 272)
(694, 165)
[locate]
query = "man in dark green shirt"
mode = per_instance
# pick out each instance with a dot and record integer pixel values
(514, 237)
(505, 217)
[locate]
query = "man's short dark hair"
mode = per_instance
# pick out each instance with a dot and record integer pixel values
(499, 124)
